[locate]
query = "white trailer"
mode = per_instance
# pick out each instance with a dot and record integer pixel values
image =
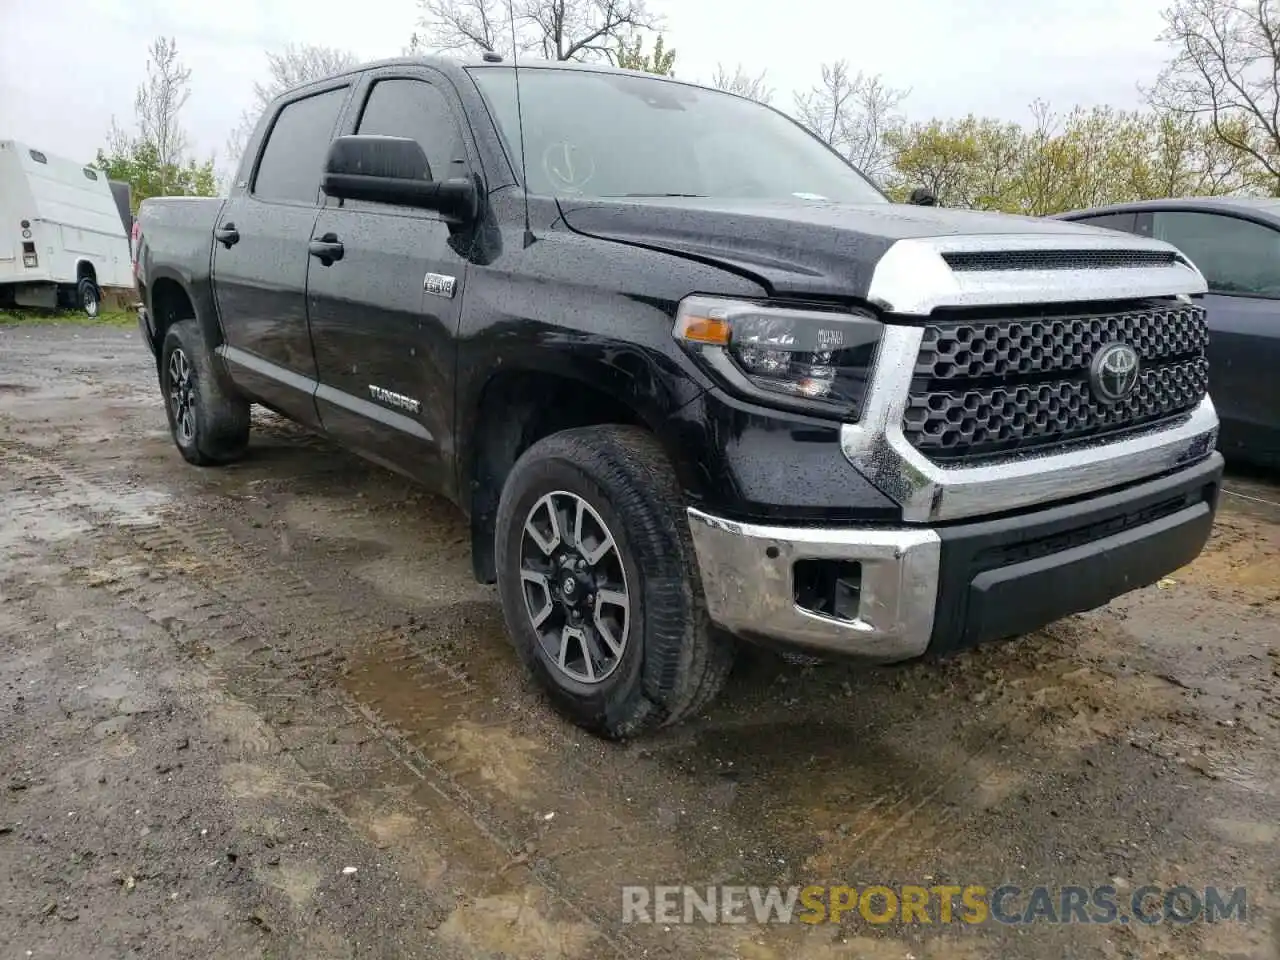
(61, 236)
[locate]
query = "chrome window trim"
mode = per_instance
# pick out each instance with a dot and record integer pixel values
(913, 279)
(929, 492)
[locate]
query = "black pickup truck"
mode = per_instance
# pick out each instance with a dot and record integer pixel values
(691, 376)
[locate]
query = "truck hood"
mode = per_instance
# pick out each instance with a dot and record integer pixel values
(823, 249)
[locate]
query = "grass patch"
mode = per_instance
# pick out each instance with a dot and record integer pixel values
(72, 318)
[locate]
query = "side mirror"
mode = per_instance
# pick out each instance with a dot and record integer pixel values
(923, 197)
(395, 170)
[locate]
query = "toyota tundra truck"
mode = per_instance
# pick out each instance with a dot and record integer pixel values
(691, 376)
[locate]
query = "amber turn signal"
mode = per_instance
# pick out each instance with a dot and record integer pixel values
(704, 330)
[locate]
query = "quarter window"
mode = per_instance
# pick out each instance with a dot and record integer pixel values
(1236, 256)
(296, 148)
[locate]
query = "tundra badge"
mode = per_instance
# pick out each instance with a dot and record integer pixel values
(439, 284)
(394, 399)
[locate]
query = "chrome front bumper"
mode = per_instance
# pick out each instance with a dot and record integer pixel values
(747, 578)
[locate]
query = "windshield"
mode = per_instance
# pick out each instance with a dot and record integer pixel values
(597, 134)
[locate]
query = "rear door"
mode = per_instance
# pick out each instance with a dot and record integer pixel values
(260, 256)
(1240, 260)
(384, 317)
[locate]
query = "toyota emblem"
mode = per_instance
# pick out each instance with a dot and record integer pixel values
(1114, 372)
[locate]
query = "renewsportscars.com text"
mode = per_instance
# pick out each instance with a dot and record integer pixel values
(938, 904)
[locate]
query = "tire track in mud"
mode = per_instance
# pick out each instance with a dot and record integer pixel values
(881, 787)
(222, 599)
(470, 748)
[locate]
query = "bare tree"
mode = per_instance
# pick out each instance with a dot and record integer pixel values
(742, 83)
(292, 66)
(463, 26)
(1226, 68)
(584, 29)
(854, 113)
(554, 29)
(297, 64)
(159, 101)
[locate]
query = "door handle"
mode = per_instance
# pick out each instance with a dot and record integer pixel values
(227, 235)
(326, 249)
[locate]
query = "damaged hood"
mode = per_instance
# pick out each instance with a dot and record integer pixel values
(799, 247)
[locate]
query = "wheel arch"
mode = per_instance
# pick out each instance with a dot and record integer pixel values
(514, 410)
(171, 298)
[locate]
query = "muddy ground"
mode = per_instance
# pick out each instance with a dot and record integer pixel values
(265, 712)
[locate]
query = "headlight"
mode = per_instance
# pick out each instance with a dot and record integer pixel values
(807, 359)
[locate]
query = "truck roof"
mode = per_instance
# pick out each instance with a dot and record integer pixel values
(457, 65)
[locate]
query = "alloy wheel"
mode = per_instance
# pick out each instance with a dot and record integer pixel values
(182, 398)
(575, 587)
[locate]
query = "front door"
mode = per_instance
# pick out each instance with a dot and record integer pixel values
(260, 259)
(384, 316)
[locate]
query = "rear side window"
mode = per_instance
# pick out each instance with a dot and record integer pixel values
(296, 147)
(1235, 256)
(420, 111)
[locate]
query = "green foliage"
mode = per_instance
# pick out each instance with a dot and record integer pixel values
(1085, 159)
(24, 316)
(630, 55)
(137, 163)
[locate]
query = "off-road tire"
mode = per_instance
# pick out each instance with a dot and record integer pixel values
(673, 662)
(215, 428)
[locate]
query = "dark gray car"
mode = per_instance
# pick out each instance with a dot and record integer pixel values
(1235, 241)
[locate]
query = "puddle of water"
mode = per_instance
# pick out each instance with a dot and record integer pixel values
(516, 925)
(25, 516)
(424, 581)
(61, 491)
(1246, 832)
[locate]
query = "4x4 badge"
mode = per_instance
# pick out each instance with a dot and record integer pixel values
(439, 285)
(1114, 372)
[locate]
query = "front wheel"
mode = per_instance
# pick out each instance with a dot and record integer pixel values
(209, 425)
(599, 582)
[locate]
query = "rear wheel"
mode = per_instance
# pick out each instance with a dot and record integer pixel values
(88, 298)
(599, 583)
(209, 425)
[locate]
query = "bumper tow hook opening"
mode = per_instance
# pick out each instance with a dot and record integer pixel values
(829, 588)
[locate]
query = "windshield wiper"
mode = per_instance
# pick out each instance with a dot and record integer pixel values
(618, 196)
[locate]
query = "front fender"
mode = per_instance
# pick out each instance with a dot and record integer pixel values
(587, 311)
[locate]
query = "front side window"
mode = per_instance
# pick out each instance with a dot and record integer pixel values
(296, 148)
(1236, 256)
(597, 134)
(419, 111)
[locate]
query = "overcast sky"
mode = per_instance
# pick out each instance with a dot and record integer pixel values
(66, 66)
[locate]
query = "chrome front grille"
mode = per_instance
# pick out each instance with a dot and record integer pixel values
(989, 386)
